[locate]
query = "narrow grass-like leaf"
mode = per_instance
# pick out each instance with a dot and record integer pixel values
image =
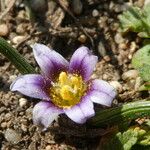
(18, 61)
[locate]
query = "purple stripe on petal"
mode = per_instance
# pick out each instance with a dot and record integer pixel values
(44, 113)
(88, 65)
(100, 98)
(103, 86)
(77, 58)
(32, 85)
(50, 62)
(81, 112)
(83, 62)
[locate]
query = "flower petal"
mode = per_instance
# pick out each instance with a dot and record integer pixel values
(87, 107)
(103, 86)
(83, 62)
(50, 62)
(44, 113)
(31, 85)
(81, 112)
(100, 98)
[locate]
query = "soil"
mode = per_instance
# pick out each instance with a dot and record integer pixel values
(64, 26)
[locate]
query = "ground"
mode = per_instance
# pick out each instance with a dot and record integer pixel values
(65, 26)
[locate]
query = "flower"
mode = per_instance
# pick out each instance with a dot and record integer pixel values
(64, 87)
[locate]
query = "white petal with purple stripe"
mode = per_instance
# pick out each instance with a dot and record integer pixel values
(44, 113)
(103, 86)
(83, 62)
(82, 111)
(31, 85)
(50, 62)
(101, 92)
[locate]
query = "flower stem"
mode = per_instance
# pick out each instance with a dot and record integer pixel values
(19, 61)
(126, 112)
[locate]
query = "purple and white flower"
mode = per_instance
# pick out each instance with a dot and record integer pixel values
(64, 87)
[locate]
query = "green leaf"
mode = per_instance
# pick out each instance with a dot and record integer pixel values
(17, 59)
(141, 61)
(122, 141)
(145, 87)
(136, 20)
(145, 139)
(147, 122)
(129, 138)
(145, 72)
(130, 20)
(118, 115)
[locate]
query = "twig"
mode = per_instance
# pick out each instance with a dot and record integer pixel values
(23, 41)
(76, 21)
(28, 37)
(59, 32)
(2, 5)
(10, 5)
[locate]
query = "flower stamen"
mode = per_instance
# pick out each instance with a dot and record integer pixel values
(67, 90)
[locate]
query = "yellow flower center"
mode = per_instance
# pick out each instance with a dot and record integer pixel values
(67, 90)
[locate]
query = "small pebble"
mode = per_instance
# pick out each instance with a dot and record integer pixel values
(12, 136)
(111, 5)
(116, 85)
(101, 49)
(21, 15)
(52, 6)
(132, 47)
(6, 2)
(12, 78)
(9, 123)
(95, 13)
(118, 38)
(107, 58)
(139, 3)
(115, 102)
(131, 74)
(82, 38)
(22, 102)
(4, 124)
(48, 147)
(105, 76)
(21, 113)
(138, 83)
(146, 2)
(94, 76)
(32, 146)
(77, 6)
(119, 8)
(24, 127)
(130, 56)
(4, 30)
(8, 116)
(18, 39)
(21, 28)
(122, 46)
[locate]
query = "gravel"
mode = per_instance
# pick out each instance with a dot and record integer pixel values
(12, 136)
(99, 19)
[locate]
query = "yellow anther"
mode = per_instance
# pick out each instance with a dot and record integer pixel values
(66, 93)
(76, 88)
(62, 78)
(75, 81)
(69, 90)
